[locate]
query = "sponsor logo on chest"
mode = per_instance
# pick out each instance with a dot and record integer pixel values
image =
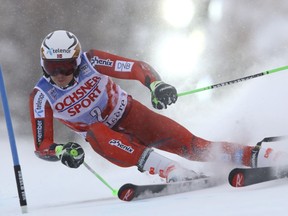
(77, 100)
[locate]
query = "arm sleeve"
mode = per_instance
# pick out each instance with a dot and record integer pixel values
(41, 120)
(122, 68)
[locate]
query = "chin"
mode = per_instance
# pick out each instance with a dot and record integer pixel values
(61, 85)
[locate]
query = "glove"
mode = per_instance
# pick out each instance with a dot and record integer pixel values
(46, 154)
(162, 94)
(71, 154)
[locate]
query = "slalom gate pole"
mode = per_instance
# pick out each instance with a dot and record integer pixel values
(114, 191)
(233, 81)
(17, 167)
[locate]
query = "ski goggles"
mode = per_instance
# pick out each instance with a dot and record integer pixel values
(64, 67)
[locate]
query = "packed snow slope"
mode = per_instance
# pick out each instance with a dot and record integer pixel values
(245, 112)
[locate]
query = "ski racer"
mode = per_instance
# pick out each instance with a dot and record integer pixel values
(76, 88)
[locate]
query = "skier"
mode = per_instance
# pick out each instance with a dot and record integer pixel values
(76, 89)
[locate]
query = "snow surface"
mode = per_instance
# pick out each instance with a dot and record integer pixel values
(251, 111)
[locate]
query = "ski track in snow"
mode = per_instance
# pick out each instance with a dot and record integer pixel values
(256, 109)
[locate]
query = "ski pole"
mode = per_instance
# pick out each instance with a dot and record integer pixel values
(114, 191)
(233, 81)
(272, 139)
(255, 150)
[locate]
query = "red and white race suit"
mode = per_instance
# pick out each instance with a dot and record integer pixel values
(118, 127)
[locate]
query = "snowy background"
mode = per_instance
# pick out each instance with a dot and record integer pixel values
(224, 40)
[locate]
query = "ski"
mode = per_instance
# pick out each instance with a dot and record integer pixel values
(241, 177)
(129, 192)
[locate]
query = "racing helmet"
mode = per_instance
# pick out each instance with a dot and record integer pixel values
(60, 53)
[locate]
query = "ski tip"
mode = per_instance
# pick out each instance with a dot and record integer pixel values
(126, 192)
(236, 178)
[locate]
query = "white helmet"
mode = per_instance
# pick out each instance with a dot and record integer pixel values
(60, 52)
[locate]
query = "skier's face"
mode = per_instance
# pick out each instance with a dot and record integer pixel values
(63, 66)
(62, 80)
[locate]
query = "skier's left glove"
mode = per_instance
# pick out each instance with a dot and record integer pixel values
(71, 154)
(162, 94)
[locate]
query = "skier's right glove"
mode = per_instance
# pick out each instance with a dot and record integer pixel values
(71, 154)
(162, 94)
